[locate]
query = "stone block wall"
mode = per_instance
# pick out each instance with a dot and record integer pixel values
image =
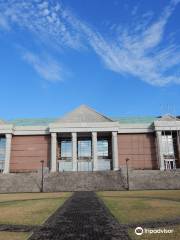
(64, 181)
(154, 179)
(90, 181)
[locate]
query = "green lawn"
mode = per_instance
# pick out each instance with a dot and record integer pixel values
(13, 236)
(140, 206)
(29, 208)
(168, 236)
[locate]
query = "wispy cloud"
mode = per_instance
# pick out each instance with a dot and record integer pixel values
(45, 66)
(46, 19)
(139, 51)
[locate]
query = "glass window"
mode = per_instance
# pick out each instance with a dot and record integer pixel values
(102, 147)
(84, 148)
(66, 149)
(167, 145)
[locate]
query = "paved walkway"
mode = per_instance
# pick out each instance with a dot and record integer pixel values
(83, 217)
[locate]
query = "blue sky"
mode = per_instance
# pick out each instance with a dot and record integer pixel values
(121, 57)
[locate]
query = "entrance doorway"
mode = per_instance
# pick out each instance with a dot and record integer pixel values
(170, 164)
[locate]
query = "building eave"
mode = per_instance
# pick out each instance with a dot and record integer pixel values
(135, 128)
(6, 128)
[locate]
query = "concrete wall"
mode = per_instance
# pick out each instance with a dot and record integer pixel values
(154, 179)
(28, 151)
(140, 148)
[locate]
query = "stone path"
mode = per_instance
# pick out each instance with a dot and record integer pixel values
(83, 217)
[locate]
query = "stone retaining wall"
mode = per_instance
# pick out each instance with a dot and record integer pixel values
(90, 181)
(65, 181)
(154, 179)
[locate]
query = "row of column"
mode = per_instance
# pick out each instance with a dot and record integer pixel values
(74, 151)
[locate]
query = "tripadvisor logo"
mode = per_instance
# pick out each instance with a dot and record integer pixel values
(139, 231)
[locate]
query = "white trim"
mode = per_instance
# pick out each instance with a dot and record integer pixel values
(92, 129)
(135, 128)
(84, 127)
(115, 151)
(31, 130)
(8, 153)
(74, 151)
(6, 128)
(167, 125)
(160, 152)
(158, 125)
(94, 151)
(53, 152)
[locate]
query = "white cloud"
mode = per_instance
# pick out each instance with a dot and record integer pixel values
(45, 66)
(139, 51)
(46, 19)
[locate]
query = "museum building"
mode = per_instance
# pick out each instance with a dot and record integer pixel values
(85, 140)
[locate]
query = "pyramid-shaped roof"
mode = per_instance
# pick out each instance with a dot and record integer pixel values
(83, 114)
(168, 117)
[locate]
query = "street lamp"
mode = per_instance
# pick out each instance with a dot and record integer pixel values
(127, 159)
(42, 175)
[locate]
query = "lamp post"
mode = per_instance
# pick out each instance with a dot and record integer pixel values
(42, 175)
(127, 159)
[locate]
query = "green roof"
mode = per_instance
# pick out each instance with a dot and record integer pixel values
(135, 120)
(32, 121)
(47, 121)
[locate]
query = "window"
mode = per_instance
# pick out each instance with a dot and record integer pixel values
(2, 153)
(102, 148)
(84, 148)
(66, 149)
(167, 145)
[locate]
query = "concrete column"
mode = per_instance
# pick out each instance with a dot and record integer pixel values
(53, 152)
(115, 151)
(74, 151)
(7, 153)
(160, 150)
(178, 145)
(94, 151)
